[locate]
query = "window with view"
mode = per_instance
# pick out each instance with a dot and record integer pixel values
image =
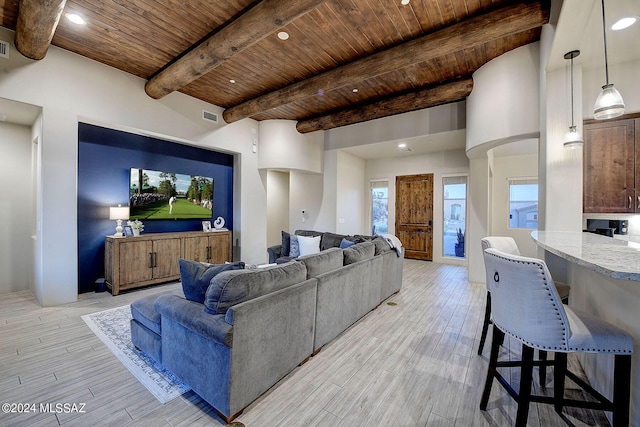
(523, 203)
(379, 207)
(455, 213)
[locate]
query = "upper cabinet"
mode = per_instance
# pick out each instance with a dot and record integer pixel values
(611, 165)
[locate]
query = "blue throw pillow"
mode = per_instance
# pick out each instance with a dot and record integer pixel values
(294, 247)
(196, 277)
(344, 244)
(286, 243)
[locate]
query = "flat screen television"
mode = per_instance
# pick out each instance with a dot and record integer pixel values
(168, 195)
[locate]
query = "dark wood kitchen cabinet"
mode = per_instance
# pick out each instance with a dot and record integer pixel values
(611, 166)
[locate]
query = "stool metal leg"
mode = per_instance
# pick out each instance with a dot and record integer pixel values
(524, 395)
(498, 336)
(485, 325)
(621, 389)
(559, 373)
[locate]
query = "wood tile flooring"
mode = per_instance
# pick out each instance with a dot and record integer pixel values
(409, 364)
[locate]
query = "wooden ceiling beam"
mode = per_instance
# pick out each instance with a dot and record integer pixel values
(464, 35)
(37, 22)
(253, 26)
(422, 98)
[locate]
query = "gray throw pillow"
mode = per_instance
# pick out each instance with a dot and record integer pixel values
(294, 247)
(196, 277)
(286, 243)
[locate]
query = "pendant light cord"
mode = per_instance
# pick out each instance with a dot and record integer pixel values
(572, 125)
(604, 31)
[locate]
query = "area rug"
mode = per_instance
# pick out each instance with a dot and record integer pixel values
(113, 329)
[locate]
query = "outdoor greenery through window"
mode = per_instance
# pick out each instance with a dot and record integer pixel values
(455, 215)
(379, 207)
(523, 203)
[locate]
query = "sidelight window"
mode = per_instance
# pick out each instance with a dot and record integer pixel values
(455, 213)
(379, 207)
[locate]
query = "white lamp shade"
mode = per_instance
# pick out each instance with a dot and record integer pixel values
(609, 103)
(119, 212)
(572, 139)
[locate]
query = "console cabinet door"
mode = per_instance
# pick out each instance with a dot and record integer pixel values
(609, 167)
(135, 261)
(165, 258)
(220, 248)
(197, 248)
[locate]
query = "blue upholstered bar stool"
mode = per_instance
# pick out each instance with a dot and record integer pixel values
(527, 307)
(508, 245)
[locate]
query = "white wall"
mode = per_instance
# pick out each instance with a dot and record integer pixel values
(504, 168)
(503, 107)
(277, 206)
(70, 89)
(307, 192)
(281, 146)
(439, 164)
(17, 212)
(350, 194)
(504, 102)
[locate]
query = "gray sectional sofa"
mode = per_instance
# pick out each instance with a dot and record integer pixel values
(257, 325)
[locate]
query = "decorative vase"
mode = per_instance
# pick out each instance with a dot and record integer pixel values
(136, 232)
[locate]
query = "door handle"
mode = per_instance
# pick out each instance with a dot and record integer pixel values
(150, 259)
(629, 207)
(638, 207)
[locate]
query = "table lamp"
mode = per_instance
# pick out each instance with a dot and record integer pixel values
(118, 213)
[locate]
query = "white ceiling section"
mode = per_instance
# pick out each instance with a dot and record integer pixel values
(18, 112)
(580, 27)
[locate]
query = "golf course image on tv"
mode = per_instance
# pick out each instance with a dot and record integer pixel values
(168, 195)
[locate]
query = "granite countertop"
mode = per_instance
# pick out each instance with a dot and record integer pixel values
(611, 257)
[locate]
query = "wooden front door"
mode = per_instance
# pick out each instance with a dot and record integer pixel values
(414, 215)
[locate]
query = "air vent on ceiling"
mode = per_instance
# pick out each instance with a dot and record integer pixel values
(4, 49)
(208, 115)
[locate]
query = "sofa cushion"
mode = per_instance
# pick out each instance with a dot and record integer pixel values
(358, 252)
(233, 287)
(344, 244)
(196, 276)
(286, 242)
(322, 262)
(381, 245)
(331, 240)
(309, 245)
(143, 311)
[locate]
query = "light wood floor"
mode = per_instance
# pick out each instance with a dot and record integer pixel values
(411, 364)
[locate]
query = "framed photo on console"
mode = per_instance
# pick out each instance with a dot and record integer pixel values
(206, 225)
(128, 231)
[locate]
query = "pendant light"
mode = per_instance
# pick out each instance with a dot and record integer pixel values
(572, 139)
(609, 103)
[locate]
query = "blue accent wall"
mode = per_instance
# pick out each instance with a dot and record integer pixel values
(104, 159)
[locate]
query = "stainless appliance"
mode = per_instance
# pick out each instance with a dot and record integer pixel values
(607, 227)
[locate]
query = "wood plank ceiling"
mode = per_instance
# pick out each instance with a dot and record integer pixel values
(345, 61)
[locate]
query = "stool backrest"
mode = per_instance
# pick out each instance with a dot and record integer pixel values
(525, 302)
(502, 243)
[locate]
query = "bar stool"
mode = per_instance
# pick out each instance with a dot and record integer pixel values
(527, 307)
(508, 245)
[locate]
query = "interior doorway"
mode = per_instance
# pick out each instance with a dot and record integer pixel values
(414, 215)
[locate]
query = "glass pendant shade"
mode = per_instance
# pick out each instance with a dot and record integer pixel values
(609, 103)
(572, 139)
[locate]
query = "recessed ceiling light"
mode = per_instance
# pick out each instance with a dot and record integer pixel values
(405, 2)
(283, 35)
(75, 18)
(355, 90)
(402, 145)
(623, 23)
(232, 81)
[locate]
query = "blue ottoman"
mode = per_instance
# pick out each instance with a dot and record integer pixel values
(145, 327)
